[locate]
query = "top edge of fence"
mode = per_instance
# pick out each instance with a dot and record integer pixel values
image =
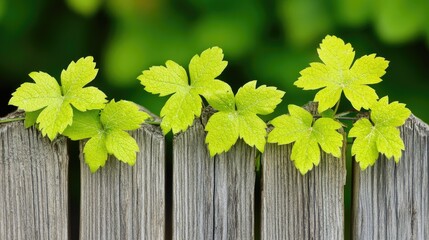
(15, 114)
(415, 122)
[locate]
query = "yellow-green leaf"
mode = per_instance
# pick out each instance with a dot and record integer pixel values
(380, 135)
(185, 104)
(106, 132)
(55, 102)
(337, 74)
(298, 127)
(237, 117)
(222, 132)
(95, 152)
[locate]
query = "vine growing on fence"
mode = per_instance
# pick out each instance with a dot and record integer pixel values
(80, 112)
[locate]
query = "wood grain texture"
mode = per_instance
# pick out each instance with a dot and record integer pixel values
(301, 207)
(126, 202)
(213, 197)
(33, 185)
(391, 201)
(193, 185)
(234, 193)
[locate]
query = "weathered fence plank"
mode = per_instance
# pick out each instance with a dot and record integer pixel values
(391, 201)
(302, 207)
(33, 184)
(124, 202)
(234, 193)
(193, 185)
(213, 197)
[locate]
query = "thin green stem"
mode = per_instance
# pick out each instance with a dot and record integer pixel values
(340, 118)
(6, 120)
(336, 106)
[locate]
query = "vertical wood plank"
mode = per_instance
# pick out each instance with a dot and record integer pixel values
(213, 197)
(126, 202)
(193, 185)
(302, 207)
(391, 201)
(33, 184)
(234, 193)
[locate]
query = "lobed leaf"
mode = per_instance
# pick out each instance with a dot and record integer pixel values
(122, 146)
(237, 117)
(394, 114)
(106, 132)
(85, 125)
(180, 111)
(185, 104)
(122, 115)
(165, 80)
(262, 100)
(78, 74)
(95, 152)
(380, 136)
(208, 66)
(298, 127)
(55, 102)
(336, 75)
(334, 52)
(222, 132)
(35, 96)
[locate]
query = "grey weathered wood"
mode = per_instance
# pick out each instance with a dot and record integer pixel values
(213, 197)
(126, 202)
(193, 185)
(33, 185)
(302, 207)
(234, 193)
(391, 201)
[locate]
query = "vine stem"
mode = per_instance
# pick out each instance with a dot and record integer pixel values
(336, 106)
(341, 118)
(6, 120)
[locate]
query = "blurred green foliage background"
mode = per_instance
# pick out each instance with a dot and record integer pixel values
(270, 41)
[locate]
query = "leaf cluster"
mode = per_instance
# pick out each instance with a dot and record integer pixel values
(80, 112)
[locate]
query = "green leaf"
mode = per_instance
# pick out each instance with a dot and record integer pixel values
(122, 115)
(185, 104)
(329, 113)
(208, 66)
(380, 136)
(55, 101)
(298, 127)
(85, 125)
(31, 118)
(336, 75)
(106, 130)
(222, 131)
(95, 152)
(237, 117)
(122, 146)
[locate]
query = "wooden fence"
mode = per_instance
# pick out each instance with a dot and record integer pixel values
(212, 198)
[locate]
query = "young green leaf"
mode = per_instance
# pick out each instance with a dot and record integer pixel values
(106, 132)
(185, 104)
(237, 117)
(55, 101)
(298, 127)
(381, 134)
(335, 75)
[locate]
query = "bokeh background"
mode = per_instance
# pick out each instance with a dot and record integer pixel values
(270, 41)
